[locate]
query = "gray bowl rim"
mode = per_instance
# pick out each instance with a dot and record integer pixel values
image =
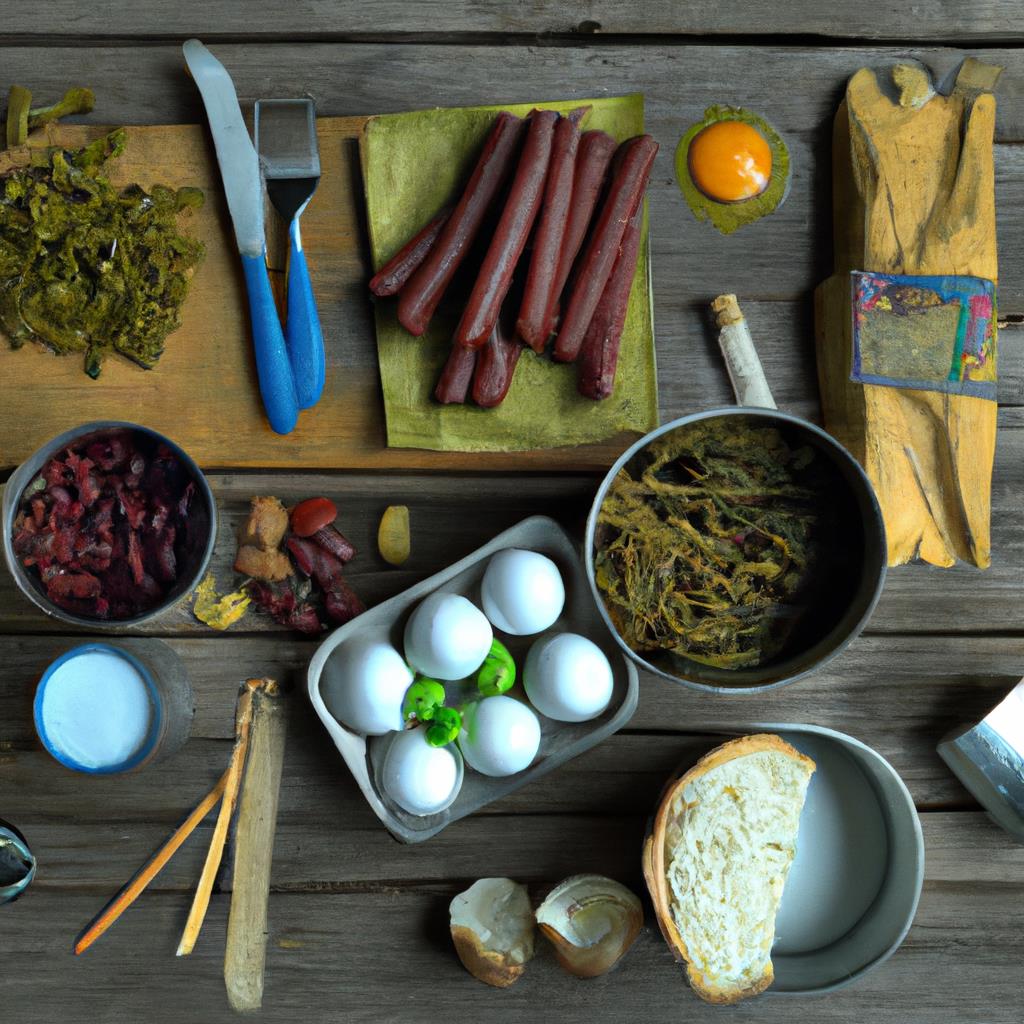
(682, 421)
(22, 476)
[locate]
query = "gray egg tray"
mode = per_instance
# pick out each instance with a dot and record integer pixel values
(560, 741)
(855, 882)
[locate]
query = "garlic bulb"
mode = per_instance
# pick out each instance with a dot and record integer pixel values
(591, 921)
(493, 930)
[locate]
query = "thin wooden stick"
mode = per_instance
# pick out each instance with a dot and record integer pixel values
(246, 949)
(201, 901)
(134, 887)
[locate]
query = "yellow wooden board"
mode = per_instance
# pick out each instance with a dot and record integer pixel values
(203, 393)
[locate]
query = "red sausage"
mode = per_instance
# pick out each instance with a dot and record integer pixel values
(592, 160)
(495, 367)
(624, 194)
(453, 386)
(547, 243)
(393, 275)
(421, 294)
(495, 277)
(600, 353)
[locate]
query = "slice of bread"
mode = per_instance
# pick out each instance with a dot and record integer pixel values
(717, 859)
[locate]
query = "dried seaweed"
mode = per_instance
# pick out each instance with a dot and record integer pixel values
(87, 268)
(707, 542)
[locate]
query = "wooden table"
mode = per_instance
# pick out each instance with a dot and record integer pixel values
(358, 923)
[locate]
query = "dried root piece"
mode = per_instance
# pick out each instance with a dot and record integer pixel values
(493, 930)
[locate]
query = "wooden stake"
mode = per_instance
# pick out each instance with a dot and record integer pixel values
(135, 886)
(245, 955)
(201, 901)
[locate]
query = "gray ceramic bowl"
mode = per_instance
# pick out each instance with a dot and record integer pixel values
(203, 514)
(834, 622)
(855, 882)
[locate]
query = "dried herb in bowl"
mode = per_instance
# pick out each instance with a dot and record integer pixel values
(85, 267)
(713, 542)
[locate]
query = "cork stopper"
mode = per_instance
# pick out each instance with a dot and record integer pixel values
(726, 310)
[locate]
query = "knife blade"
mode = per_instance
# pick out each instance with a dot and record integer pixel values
(243, 187)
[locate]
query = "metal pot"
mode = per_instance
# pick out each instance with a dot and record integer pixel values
(855, 597)
(204, 512)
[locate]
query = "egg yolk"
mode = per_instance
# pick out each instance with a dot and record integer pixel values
(730, 161)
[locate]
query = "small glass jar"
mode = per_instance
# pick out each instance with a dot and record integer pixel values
(17, 865)
(104, 708)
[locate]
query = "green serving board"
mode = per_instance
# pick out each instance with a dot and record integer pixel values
(414, 164)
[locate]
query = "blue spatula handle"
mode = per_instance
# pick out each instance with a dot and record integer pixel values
(277, 386)
(302, 328)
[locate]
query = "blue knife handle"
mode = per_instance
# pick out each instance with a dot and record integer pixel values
(302, 328)
(277, 386)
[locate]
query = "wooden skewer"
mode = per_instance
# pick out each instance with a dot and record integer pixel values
(201, 901)
(134, 887)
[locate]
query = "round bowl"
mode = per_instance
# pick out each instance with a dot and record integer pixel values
(834, 624)
(203, 515)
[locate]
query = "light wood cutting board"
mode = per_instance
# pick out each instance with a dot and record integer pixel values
(203, 392)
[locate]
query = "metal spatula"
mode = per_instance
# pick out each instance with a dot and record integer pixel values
(286, 141)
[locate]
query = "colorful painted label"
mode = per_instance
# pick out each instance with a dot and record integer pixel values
(932, 333)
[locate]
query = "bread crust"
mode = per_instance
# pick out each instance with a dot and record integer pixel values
(656, 875)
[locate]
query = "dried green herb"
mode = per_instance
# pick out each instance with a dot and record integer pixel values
(87, 268)
(708, 540)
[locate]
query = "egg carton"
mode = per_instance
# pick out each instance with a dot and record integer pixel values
(560, 741)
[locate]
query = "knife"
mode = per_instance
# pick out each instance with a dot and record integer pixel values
(988, 758)
(243, 186)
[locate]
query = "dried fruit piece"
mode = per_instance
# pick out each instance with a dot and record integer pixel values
(216, 611)
(393, 534)
(311, 515)
(266, 526)
(270, 566)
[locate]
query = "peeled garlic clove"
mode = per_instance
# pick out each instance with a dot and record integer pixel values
(591, 921)
(493, 930)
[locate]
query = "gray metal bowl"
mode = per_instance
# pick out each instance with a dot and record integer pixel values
(856, 596)
(204, 512)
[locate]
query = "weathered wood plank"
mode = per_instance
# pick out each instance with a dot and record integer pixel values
(899, 694)
(872, 19)
(364, 957)
(453, 515)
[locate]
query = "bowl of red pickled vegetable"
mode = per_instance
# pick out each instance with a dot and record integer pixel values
(109, 524)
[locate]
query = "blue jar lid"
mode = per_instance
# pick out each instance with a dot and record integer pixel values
(155, 722)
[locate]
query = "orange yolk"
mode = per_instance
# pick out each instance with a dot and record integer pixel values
(730, 161)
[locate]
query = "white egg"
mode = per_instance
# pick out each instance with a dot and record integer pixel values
(522, 591)
(420, 778)
(363, 685)
(500, 736)
(567, 677)
(447, 637)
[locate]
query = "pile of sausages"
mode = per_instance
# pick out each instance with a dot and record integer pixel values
(580, 196)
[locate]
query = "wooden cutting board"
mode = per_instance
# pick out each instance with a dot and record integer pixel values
(203, 393)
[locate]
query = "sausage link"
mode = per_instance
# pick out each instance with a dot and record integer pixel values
(453, 385)
(421, 294)
(624, 194)
(547, 242)
(495, 367)
(390, 279)
(599, 355)
(495, 277)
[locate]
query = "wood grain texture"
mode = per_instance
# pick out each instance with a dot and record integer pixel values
(782, 256)
(871, 19)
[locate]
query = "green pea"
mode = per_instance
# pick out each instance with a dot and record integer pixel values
(445, 727)
(422, 700)
(498, 672)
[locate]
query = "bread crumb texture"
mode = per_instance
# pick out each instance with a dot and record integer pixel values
(729, 844)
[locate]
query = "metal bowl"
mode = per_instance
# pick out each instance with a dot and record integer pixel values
(203, 515)
(835, 623)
